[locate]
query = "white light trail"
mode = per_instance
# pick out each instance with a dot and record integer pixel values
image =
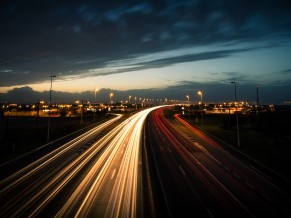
(122, 199)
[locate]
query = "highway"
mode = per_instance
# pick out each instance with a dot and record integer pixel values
(81, 179)
(147, 166)
(194, 176)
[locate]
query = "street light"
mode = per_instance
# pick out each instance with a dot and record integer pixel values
(257, 91)
(96, 90)
(201, 94)
(111, 94)
(129, 97)
(237, 126)
(188, 105)
(49, 108)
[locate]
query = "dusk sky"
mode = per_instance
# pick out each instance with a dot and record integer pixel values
(156, 45)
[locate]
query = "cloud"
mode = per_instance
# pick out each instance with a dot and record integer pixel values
(286, 72)
(74, 68)
(41, 37)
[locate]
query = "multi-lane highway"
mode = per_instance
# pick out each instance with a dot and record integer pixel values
(147, 166)
(197, 177)
(77, 179)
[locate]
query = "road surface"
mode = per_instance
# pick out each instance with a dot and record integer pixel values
(99, 179)
(148, 166)
(195, 176)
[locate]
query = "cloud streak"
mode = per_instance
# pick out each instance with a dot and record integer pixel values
(40, 37)
(92, 68)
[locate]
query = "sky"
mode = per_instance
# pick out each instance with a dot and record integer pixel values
(162, 48)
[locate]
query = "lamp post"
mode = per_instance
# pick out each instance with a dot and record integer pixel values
(201, 94)
(257, 91)
(49, 108)
(129, 97)
(96, 90)
(111, 94)
(188, 105)
(237, 125)
(82, 111)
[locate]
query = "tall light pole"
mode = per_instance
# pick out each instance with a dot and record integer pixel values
(237, 125)
(111, 94)
(129, 97)
(96, 90)
(49, 108)
(201, 94)
(188, 105)
(257, 90)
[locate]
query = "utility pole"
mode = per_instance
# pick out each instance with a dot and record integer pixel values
(237, 125)
(257, 90)
(188, 106)
(49, 108)
(96, 90)
(37, 112)
(201, 93)
(81, 112)
(1, 121)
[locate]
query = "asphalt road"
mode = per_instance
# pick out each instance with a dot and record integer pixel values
(28, 191)
(195, 176)
(82, 178)
(147, 166)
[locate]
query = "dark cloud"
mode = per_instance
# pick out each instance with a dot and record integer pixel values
(34, 75)
(288, 71)
(38, 37)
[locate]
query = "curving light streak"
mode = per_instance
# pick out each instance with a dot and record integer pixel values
(123, 197)
(36, 189)
(26, 171)
(195, 165)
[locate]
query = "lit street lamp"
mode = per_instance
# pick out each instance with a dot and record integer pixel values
(200, 93)
(96, 90)
(188, 105)
(129, 97)
(49, 108)
(111, 94)
(237, 126)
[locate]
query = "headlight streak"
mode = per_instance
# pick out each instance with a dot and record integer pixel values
(59, 180)
(122, 201)
(125, 188)
(97, 172)
(33, 167)
(80, 162)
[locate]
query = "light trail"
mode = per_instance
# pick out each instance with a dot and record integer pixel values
(44, 181)
(104, 174)
(191, 159)
(33, 167)
(122, 199)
